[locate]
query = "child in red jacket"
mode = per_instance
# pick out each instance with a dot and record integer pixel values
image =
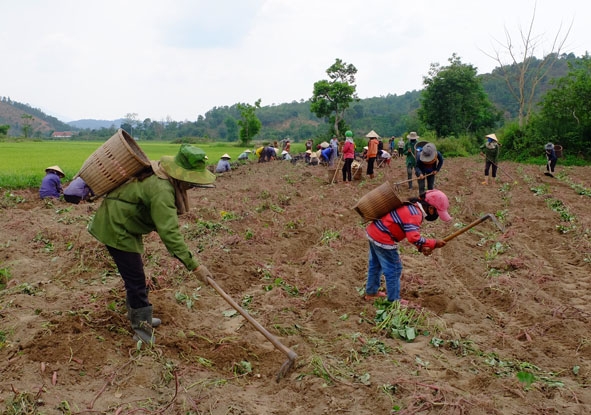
(385, 233)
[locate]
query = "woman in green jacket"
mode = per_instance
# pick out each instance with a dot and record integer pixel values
(149, 202)
(490, 149)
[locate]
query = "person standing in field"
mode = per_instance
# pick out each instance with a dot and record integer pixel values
(51, 185)
(429, 163)
(551, 159)
(348, 157)
(334, 144)
(372, 153)
(386, 233)
(490, 150)
(410, 153)
(150, 202)
(400, 147)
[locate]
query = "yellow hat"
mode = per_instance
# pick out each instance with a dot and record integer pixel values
(56, 169)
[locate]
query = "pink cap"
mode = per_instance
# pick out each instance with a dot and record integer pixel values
(439, 201)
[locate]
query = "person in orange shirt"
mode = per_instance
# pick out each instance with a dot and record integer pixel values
(372, 153)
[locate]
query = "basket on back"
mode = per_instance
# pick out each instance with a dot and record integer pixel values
(376, 203)
(113, 163)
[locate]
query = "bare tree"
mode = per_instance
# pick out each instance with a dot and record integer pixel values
(522, 83)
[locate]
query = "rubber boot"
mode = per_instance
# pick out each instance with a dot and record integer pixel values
(485, 180)
(140, 318)
(155, 321)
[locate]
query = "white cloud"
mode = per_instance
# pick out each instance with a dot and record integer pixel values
(180, 58)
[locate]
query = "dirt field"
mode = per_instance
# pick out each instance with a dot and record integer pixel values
(503, 319)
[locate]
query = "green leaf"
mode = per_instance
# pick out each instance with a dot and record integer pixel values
(526, 378)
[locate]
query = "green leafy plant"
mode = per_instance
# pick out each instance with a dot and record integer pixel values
(526, 378)
(186, 299)
(279, 282)
(4, 277)
(3, 336)
(496, 249)
(399, 322)
(227, 216)
(328, 236)
(539, 190)
(243, 367)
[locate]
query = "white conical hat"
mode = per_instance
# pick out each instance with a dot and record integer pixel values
(371, 134)
(226, 156)
(57, 170)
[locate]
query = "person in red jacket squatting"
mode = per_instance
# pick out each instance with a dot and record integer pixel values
(385, 233)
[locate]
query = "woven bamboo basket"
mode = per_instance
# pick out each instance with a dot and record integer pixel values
(113, 163)
(375, 204)
(558, 150)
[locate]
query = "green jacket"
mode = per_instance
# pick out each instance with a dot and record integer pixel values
(491, 151)
(409, 152)
(138, 208)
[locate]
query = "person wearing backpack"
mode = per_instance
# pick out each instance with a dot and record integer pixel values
(150, 202)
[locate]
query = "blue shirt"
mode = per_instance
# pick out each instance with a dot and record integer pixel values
(426, 168)
(223, 165)
(51, 186)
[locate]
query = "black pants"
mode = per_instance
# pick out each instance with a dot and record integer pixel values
(131, 268)
(430, 183)
(347, 170)
(487, 166)
(370, 163)
(72, 199)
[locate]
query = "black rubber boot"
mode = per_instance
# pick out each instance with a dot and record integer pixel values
(155, 321)
(140, 323)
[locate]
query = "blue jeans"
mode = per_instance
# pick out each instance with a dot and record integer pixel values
(387, 262)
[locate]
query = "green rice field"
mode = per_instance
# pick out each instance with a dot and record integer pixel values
(23, 164)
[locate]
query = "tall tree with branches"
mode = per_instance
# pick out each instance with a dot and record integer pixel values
(515, 65)
(250, 125)
(332, 97)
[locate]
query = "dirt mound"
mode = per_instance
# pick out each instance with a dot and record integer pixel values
(504, 317)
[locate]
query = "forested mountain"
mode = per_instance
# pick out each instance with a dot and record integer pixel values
(388, 115)
(42, 125)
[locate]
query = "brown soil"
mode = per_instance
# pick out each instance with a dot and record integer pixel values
(286, 245)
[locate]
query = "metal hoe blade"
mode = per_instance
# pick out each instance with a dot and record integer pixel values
(291, 355)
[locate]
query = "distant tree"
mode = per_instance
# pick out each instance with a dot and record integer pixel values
(523, 83)
(4, 129)
(130, 122)
(565, 116)
(250, 125)
(231, 129)
(453, 101)
(331, 98)
(27, 124)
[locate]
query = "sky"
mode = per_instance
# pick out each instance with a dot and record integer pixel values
(177, 59)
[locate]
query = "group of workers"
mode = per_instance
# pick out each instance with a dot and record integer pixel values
(122, 218)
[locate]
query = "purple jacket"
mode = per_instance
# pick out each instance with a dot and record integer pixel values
(78, 187)
(51, 186)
